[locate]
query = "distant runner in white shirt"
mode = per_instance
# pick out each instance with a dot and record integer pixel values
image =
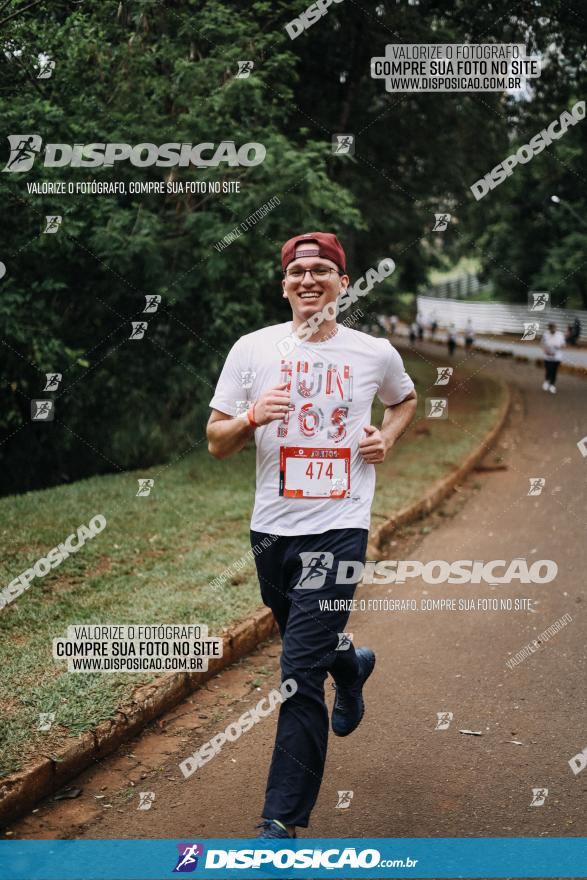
(552, 342)
(310, 414)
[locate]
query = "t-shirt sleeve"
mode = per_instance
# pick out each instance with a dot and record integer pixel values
(395, 384)
(229, 388)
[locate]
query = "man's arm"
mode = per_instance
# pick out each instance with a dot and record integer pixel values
(397, 418)
(375, 446)
(227, 434)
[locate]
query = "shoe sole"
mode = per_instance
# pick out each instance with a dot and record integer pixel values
(348, 733)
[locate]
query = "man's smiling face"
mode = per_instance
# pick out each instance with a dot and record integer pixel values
(307, 293)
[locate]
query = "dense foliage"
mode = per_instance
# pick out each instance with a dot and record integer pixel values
(148, 71)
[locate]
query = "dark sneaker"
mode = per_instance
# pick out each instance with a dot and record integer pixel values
(349, 706)
(272, 828)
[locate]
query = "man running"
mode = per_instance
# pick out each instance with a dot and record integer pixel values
(308, 403)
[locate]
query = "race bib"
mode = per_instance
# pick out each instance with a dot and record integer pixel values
(310, 472)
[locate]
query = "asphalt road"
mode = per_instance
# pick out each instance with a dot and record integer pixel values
(577, 357)
(408, 778)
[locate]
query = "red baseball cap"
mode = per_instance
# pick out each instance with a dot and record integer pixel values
(329, 248)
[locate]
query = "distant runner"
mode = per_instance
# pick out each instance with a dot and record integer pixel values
(552, 342)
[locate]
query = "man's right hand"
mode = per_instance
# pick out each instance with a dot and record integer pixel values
(228, 434)
(273, 404)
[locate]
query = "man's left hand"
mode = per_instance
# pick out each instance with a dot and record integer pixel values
(373, 447)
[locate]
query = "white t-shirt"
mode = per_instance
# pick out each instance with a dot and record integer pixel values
(552, 344)
(333, 384)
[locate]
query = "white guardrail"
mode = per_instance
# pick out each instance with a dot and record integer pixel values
(495, 317)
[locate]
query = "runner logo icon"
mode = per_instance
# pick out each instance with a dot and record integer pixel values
(531, 328)
(444, 719)
(344, 800)
(153, 301)
(343, 143)
(344, 641)
(187, 860)
(539, 795)
(539, 301)
(315, 567)
(53, 380)
(441, 222)
(42, 410)
(444, 374)
(23, 150)
(537, 484)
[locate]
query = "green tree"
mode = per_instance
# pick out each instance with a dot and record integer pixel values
(142, 72)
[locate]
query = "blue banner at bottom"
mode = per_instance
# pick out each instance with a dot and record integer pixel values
(303, 857)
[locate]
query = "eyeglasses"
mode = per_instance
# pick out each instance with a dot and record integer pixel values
(320, 273)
